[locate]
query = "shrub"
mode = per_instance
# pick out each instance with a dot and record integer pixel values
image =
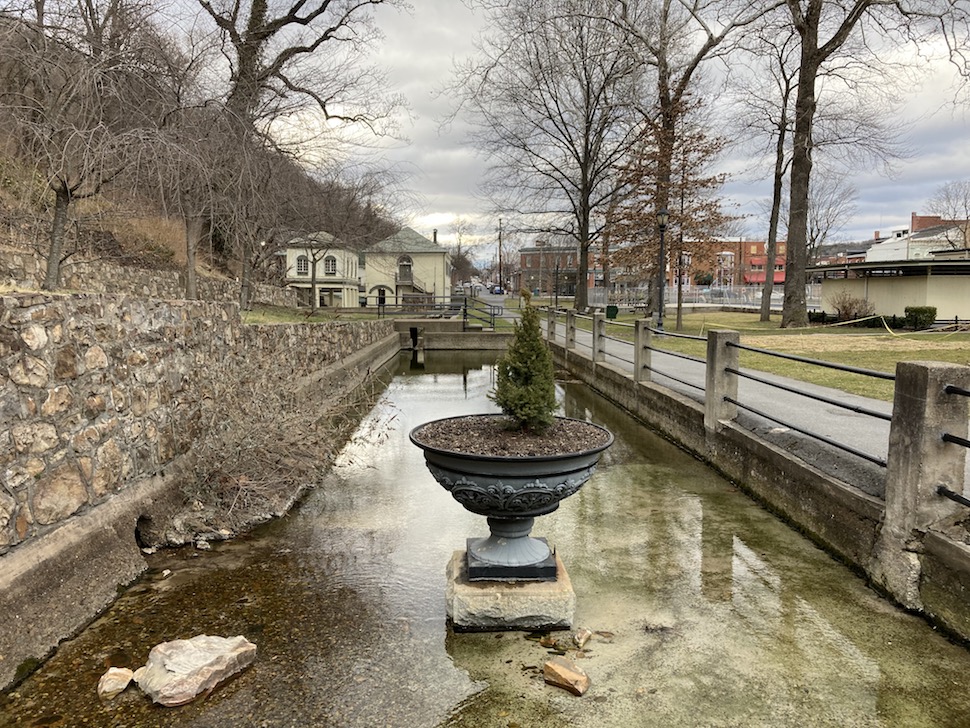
(849, 308)
(525, 386)
(920, 317)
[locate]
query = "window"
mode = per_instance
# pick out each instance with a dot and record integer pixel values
(754, 250)
(302, 266)
(330, 266)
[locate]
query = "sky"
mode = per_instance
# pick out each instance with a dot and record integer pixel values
(443, 170)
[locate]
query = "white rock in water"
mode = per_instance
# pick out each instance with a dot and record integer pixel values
(179, 670)
(114, 681)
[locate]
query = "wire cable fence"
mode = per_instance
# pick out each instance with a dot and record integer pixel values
(956, 440)
(803, 392)
(609, 340)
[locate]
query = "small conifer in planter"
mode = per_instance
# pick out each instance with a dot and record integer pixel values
(514, 466)
(525, 387)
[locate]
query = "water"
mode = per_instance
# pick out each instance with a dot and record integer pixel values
(710, 611)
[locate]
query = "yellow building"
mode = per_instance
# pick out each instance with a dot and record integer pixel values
(406, 267)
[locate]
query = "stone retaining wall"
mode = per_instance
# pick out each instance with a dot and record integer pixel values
(24, 269)
(99, 391)
(99, 404)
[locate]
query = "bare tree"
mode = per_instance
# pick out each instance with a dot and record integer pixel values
(855, 124)
(461, 227)
(554, 99)
(298, 60)
(824, 28)
(79, 114)
(951, 203)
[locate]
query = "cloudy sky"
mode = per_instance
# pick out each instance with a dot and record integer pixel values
(444, 171)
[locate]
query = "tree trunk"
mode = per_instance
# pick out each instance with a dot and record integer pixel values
(314, 299)
(62, 201)
(795, 311)
(193, 234)
(246, 278)
(771, 245)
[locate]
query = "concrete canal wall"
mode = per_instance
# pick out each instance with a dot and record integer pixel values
(100, 401)
(911, 545)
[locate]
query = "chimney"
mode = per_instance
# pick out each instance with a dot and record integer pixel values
(434, 235)
(875, 235)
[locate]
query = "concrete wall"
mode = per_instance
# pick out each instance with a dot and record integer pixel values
(901, 544)
(24, 270)
(99, 404)
(891, 295)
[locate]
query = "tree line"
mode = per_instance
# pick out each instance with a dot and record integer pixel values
(239, 118)
(596, 114)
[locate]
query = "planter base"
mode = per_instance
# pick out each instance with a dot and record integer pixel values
(482, 570)
(493, 606)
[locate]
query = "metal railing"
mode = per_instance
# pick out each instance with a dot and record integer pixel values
(956, 440)
(810, 395)
(608, 339)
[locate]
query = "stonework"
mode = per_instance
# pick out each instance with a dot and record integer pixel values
(101, 391)
(25, 270)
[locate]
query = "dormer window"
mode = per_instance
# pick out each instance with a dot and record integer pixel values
(302, 266)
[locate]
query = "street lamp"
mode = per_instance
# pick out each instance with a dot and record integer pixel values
(662, 218)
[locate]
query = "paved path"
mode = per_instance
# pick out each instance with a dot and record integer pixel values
(861, 432)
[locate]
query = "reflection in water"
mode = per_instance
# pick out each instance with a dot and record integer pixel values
(709, 610)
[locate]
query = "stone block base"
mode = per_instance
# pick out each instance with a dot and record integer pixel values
(487, 606)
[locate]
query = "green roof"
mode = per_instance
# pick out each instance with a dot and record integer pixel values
(406, 240)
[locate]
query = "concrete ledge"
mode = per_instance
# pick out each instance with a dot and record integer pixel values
(485, 606)
(53, 586)
(945, 582)
(467, 341)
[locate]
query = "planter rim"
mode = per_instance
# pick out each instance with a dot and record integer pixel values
(508, 458)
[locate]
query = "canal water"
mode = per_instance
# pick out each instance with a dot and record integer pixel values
(706, 610)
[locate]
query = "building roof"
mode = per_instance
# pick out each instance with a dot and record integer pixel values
(406, 240)
(319, 238)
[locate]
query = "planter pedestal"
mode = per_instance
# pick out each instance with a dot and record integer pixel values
(485, 606)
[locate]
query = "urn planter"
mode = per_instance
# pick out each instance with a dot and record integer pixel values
(511, 490)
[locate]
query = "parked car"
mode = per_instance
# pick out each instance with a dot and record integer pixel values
(497, 289)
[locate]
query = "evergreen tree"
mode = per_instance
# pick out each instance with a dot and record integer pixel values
(525, 388)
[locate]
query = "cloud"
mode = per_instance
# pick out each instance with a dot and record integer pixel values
(444, 170)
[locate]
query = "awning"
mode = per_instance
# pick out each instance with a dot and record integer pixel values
(758, 276)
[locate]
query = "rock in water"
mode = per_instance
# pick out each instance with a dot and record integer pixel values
(566, 674)
(113, 682)
(179, 670)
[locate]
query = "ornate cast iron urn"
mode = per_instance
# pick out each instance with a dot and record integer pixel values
(510, 492)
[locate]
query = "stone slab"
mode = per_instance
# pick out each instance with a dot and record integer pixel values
(492, 606)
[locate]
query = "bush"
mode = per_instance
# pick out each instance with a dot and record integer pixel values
(525, 387)
(849, 308)
(920, 317)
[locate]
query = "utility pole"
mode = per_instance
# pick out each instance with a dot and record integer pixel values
(501, 280)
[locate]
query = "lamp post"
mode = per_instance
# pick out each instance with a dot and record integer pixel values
(662, 218)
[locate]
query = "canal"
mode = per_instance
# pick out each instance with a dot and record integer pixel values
(706, 609)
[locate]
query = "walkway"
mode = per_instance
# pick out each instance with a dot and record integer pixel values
(858, 431)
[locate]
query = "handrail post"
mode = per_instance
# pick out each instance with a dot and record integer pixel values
(571, 329)
(920, 461)
(599, 336)
(642, 341)
(720, 383)
(551, 324)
